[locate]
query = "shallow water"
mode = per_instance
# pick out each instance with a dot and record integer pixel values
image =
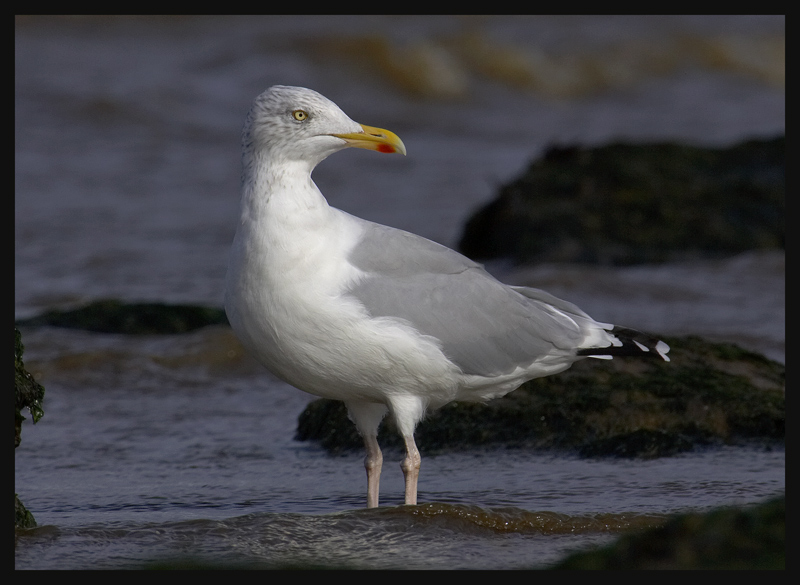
(127, 169)
(164, 447)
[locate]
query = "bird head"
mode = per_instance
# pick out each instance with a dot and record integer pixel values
(295, 123)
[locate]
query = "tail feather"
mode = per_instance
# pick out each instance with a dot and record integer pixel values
(633, 343)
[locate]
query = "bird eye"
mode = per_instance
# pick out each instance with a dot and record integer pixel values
(300, 115)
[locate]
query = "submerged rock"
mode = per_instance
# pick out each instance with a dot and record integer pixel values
(624, 204)
(113, 316)
(710, 393)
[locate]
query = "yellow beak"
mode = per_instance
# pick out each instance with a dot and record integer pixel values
(374, 139)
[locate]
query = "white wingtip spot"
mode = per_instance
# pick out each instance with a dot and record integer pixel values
(642, 347)
(662, 349)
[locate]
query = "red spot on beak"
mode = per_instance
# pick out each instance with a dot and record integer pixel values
(386, 148)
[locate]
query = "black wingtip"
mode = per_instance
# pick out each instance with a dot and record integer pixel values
(632, 343)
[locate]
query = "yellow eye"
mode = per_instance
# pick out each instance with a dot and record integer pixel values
(300, 115)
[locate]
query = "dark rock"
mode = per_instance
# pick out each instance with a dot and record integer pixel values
(710, 393)
(112, 316)
(644, 443)
(22, 517)
(28, 393)
(626, 204)
(726, 538)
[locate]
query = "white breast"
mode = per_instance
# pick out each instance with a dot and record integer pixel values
(286, 301)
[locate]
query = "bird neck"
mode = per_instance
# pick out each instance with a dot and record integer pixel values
(284, 219)
(282, 190)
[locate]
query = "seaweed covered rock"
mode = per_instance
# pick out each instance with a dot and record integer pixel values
(625, 204)
(28, 393)
(725, 538)
(709, 393)
(113, 316)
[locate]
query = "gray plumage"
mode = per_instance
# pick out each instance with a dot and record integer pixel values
(484, 326)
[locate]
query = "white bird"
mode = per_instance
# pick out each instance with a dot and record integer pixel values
(377, 317)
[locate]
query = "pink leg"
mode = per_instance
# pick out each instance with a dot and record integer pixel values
(367, 417)
(410, 466)
(373, 463)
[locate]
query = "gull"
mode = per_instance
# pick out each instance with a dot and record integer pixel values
(379, 318)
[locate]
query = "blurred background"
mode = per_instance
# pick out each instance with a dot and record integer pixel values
(127, 128)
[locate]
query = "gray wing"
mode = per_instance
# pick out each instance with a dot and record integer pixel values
(484, 326)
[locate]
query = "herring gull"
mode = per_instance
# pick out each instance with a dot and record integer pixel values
(382, 319)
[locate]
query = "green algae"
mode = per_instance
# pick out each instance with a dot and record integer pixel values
(28, 393)
(752, 537)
